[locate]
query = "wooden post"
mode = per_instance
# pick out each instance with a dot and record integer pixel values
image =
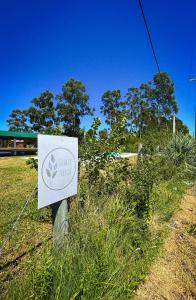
(60, 223)
(139, 148)
(15, 146)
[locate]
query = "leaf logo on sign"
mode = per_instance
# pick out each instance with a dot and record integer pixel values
(51, 171)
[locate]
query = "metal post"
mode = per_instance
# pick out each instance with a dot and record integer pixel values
(60, 223)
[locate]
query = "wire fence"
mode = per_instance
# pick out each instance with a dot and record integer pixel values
(21, 212)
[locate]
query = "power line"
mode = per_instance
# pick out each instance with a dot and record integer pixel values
(149, 35)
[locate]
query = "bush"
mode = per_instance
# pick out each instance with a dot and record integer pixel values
(181, 152)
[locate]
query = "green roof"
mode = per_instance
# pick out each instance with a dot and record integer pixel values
(18, 134)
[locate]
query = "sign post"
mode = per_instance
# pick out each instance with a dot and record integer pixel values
(60, 222)
(57, 179)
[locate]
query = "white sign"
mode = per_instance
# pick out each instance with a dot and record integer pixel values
(57, 168)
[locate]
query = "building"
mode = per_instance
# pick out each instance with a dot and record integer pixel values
(15, 142)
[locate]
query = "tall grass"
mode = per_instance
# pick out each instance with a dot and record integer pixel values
(106, 255)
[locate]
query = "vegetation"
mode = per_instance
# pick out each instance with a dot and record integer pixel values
(143, 108)
(105, 257)
(112, 240)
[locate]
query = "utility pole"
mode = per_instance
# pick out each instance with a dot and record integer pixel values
(174, 124)
(195, 125)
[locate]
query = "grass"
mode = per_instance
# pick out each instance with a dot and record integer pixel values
(17, 182)
(165, 199)
(107, 254)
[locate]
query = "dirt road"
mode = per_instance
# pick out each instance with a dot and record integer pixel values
(173, 275)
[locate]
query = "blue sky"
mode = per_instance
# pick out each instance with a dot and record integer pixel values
(103, 43)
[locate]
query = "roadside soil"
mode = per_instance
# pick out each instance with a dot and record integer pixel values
(173, 274)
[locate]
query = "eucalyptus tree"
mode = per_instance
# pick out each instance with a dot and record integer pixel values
(72, 105)
(152, 104)
(18, 121)
(163, 96)
(41, 114)
(140, 112)
(112, 106)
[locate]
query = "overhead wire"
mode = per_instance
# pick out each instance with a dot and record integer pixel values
(149, 35)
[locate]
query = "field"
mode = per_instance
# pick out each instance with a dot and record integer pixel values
(34, 227)
(108, 252)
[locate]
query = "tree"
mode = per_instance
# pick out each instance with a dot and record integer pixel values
(42, 115)
(152, 103)
(113, 106)
(140, 112)
(18, 121)
(72, 106)
(163, 94)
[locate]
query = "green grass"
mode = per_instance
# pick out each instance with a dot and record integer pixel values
(165, 198)
(106, 256)
(17, 182)
(108, 252)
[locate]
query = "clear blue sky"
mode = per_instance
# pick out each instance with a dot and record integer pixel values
(103, 43)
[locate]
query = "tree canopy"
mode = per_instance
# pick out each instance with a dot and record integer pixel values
(42, 115)
(72, 105)
(113, 106)
(146, 110)
(18, 121)
(152, 104)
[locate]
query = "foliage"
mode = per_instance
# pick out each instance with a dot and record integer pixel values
(33, 163)
(144, 176)
(49, 115)
(100, 148)
(72, 105)
(144, 108)
(113, 106)
(18, 121)
(154, 141)
(163, 94)
(42, 116)
(165, 198)
(181, 152)
(152, 104)
(139, 107)
(111, 244)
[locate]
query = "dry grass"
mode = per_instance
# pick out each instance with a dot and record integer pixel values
(173, 276)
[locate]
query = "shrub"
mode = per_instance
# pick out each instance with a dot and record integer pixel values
(181, 152)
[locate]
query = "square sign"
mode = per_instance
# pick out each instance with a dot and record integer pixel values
(57, 168)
